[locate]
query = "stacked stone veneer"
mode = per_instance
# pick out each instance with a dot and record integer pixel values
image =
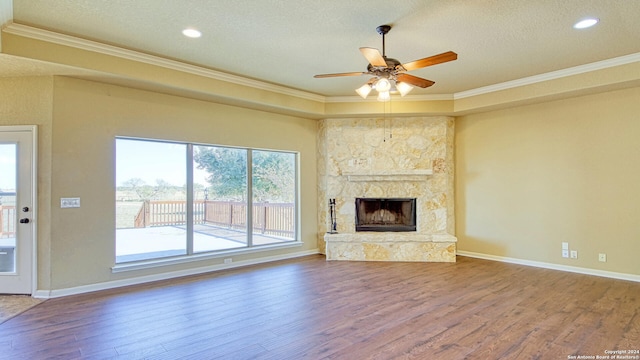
(387, 158)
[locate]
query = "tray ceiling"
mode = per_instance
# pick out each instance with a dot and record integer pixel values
(287, 42)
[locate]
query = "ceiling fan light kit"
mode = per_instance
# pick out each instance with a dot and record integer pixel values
(384, 96)
(403, 88)
(389, 75)
(364, 90)
(383, 85)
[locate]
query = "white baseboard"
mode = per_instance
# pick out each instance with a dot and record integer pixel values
(573, 269)
(48, 294)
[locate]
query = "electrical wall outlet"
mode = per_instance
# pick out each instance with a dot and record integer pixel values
(574, 254)
(602, 257)
(228, 261)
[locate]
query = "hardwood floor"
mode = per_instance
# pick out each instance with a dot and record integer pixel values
(308, 308)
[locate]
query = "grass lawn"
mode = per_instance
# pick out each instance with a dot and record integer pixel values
(126, 212)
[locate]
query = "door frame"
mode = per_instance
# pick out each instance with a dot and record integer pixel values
(33, 130)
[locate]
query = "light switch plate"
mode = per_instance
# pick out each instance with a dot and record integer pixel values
(69, 203)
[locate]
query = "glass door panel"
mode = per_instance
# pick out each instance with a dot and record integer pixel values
(274, 191)
(8, 218)
(151, 200)
(220, 198)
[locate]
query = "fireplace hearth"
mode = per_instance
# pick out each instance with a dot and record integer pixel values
(385, 214)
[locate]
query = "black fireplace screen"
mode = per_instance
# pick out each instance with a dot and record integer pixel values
(385, 214)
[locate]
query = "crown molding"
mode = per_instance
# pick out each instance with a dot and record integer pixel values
(93, 46)
(576, 70)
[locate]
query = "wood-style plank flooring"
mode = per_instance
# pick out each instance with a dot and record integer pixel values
(308, 308)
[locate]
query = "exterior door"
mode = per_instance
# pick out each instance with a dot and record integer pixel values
(17, 213)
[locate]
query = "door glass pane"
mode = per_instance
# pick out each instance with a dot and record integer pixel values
(151, 201)
(220, 198)
(274, 189)
(8, 208)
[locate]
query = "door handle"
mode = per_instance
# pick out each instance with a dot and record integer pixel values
(24, 221)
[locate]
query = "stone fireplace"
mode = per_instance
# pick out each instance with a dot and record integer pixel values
(392, 181)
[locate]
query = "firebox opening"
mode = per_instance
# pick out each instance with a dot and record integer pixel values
(396, 214)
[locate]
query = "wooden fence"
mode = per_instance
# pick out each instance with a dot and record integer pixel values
(268, 218)
(7, 221)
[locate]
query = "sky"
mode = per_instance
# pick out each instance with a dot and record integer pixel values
(150, 161)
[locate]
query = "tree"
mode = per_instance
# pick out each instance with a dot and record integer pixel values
(197, 190)
(273, 176)
(147, 192)
(227, 170)
(273, 173)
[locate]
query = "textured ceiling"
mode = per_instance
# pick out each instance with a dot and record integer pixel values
(287, 42)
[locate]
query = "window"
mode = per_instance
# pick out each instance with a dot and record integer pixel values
(177, 199)
(224, 203)
(273, 195)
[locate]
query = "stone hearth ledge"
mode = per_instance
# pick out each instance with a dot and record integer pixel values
(391, 246)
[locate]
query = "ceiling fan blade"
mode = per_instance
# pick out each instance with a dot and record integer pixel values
(373, 56)
(414, 80)
(431, 60)
(339, 74)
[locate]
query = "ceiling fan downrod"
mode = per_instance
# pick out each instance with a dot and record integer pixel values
(383, 30)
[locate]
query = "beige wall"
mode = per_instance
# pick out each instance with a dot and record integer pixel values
(527, 178)
(77, 134)
(531, 177)
(29, 101)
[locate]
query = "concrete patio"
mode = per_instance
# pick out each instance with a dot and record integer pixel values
(136, 244)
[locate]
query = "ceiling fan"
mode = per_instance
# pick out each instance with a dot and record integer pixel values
(387, 71)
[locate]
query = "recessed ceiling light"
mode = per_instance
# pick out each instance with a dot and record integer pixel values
(585, 23)
(192, 33)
